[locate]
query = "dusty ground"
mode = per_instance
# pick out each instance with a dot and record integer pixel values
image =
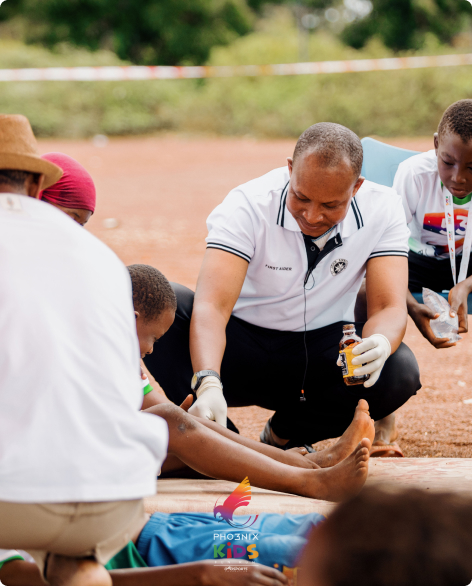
(161, 189)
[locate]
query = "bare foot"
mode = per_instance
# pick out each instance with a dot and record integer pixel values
(344, 480)
(361, 426)
(67, 571)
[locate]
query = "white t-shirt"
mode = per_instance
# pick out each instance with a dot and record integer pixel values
(417, 181)
(70, 391)
(253, 222)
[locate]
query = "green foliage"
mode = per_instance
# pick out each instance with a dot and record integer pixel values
(389, 103)
(142, 31)
(404, 24)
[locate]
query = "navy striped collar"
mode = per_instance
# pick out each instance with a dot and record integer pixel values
(351, 223)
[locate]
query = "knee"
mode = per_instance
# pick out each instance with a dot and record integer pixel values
(403, 371)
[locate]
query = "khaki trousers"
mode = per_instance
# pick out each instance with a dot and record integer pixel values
(78, 530)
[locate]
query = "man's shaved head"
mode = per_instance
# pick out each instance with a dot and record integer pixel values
(331, 143)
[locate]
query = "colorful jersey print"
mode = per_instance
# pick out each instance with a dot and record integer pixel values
(436, 222)
(417, 181)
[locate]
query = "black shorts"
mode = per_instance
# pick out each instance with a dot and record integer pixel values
(265, 367)
(426, 271)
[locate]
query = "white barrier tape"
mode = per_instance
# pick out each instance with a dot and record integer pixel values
(168, 72)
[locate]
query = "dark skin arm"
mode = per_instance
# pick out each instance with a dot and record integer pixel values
(386, 289)
(21, 573)
(458, 301)
(421, 314)
(219, 284)
(198, 574)
(154, 398)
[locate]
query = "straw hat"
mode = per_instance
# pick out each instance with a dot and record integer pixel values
(19, 149)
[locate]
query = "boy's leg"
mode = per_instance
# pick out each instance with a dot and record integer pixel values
(360, 427)
(216, 456)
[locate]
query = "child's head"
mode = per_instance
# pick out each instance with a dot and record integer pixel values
(392, 537)
(453, 144)
(154, 305)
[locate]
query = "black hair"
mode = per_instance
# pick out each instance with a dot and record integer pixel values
(152, 292)
(331, 143)
(14, 178)
(392, 537)
(458, 120)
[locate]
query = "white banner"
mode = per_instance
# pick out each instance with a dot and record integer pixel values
(168, 72)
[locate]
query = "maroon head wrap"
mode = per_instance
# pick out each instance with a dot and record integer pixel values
(75, 189)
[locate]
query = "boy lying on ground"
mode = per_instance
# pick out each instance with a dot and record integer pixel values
(389, 537)
(181, 549)
(381, 537)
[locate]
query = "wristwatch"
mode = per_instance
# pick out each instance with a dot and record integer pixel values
(200, 375)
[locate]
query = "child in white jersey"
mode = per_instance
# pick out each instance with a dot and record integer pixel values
(425, 181)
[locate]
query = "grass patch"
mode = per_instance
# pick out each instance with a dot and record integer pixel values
(386, 104)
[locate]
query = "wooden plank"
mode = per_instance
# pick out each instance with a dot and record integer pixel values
(183, 495)
(443, 474)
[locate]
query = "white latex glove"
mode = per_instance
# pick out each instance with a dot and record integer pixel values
(374, 352)
(210, 402)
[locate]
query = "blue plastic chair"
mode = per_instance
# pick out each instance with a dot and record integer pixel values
(380, 165)
(381, 161)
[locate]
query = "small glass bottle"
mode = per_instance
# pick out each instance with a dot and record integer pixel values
(348, 342)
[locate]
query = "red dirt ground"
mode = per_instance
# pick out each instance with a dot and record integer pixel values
(161, 189)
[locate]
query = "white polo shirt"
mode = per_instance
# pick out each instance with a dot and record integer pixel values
(417, 181)
(70, 390)
(253, 222)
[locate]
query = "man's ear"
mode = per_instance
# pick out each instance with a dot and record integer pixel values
(136, 313)
(436, 142)
(34, 185)
(357, 185)
(290, 165)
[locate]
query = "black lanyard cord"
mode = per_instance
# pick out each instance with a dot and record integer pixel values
(302, 396)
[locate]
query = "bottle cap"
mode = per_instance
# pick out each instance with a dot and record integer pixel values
(349, 327)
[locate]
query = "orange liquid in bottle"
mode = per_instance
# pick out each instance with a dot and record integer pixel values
(348, 342)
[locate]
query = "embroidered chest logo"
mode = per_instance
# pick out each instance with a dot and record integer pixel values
(338, 266)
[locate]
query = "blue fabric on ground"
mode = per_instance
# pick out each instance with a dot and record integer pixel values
(177, 538)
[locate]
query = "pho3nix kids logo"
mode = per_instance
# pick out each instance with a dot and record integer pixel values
(339, 265)
(240, 497)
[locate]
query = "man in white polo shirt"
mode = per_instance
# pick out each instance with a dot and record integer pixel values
(286, 254)
(76, 455)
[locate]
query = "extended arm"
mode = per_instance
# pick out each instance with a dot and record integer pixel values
(206, 573)
(199, 574)
(386, 290)
(219, 285)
